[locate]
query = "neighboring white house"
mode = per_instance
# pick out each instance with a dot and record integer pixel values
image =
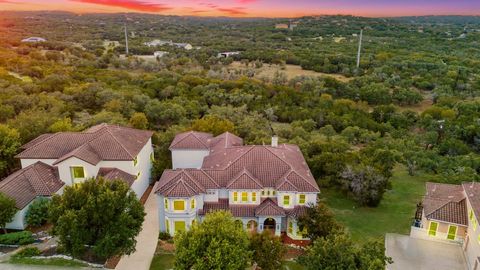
(159, 42)
(52, 161)
(264, 187)
(227, 54)
(34, 39)
(160, 54)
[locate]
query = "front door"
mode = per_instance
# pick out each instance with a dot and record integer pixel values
(269, 224)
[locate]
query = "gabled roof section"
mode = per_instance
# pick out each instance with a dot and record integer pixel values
(178, 184)
(101, 142)
(191, 140)
(269, 207)
(225, 140)
(111, 174)
(297, 211)
(445, 202)
(244, 180)
(38, 179)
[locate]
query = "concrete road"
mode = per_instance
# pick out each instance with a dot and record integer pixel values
(410, 253)
(147, 240)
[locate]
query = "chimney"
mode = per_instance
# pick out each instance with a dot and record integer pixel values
(275, 141)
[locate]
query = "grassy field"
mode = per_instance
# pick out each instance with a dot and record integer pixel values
(394, 214)
(291, 71)
(162, 261)
(50, 262)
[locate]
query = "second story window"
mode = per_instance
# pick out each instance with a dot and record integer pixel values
(254, 197)
(301, 199)
(78, 172)
(166, 204)
(179, 205)
(286, 200)
(235, 196)
(244, 197)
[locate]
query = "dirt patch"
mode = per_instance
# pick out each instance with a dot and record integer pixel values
(165, 247)
(145, 195)
(292, 71)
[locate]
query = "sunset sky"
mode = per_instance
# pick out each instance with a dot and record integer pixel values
(256, 8)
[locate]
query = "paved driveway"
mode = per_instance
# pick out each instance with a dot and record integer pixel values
(419, 254)
(147, 240)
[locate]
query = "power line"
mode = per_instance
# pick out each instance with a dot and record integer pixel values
(359, 48)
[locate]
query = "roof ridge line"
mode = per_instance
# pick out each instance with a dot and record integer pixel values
(115, 138)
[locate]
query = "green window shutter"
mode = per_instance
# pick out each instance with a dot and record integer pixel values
(167, 226)
(290, 227)
(432, 231)
(452, 232)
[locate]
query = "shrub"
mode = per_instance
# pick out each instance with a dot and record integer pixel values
(28, 252)
(37, 213)
(17, 238)
(164, 236)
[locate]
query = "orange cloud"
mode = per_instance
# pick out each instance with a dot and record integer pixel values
(233, 11)
(128, 4)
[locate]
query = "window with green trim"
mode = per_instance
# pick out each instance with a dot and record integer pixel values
(290, 227)
(432, 230)
(471, 214)
(301, 199)
(152, 157)
(179, 205)
(286, 200)
(235, 196)
(263, 192)
(166, 204)
(78, 172)
(254, 197)
(452, 232)
(135, 161)
(192, 204)
(244, 197)
(274, 192)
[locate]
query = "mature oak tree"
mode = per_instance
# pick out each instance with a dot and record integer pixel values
(7, 210)
(104, 215)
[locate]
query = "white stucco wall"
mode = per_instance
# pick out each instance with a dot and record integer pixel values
(472, 245)
(189, 158)
(249, 197)
(18, 222)
(170, 216)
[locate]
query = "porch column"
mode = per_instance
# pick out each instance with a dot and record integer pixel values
(278, 226)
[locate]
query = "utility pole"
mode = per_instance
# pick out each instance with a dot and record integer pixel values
(359, 47)
(126, 40)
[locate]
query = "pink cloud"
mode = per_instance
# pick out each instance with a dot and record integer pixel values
(233, 11)
(136, 5)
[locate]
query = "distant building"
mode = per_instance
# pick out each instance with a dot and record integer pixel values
(281, 26)
(227, 54)
(185, 46)
(160, 54)
(34, 39)
(158, 42)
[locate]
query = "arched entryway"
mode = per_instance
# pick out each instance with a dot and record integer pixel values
(269, 224)
(252, 225)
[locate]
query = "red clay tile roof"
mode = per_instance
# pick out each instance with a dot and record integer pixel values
(248, 167)
(181, 184)
(117, 174)
(38, 179)
(445, 202)
(269, 208)
(101, 142)
(244, 180)
(472, 190)
(191, 140)
(297, 211)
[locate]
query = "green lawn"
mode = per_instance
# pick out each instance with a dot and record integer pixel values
(162, 262)
(53, 261)
(292, 265)
(394, 214)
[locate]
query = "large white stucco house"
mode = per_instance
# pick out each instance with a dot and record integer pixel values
(52, 161)
(264, 187)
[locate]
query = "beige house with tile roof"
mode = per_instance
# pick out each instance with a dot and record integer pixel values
(52, 161)
(451, 213)
(264, 187)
